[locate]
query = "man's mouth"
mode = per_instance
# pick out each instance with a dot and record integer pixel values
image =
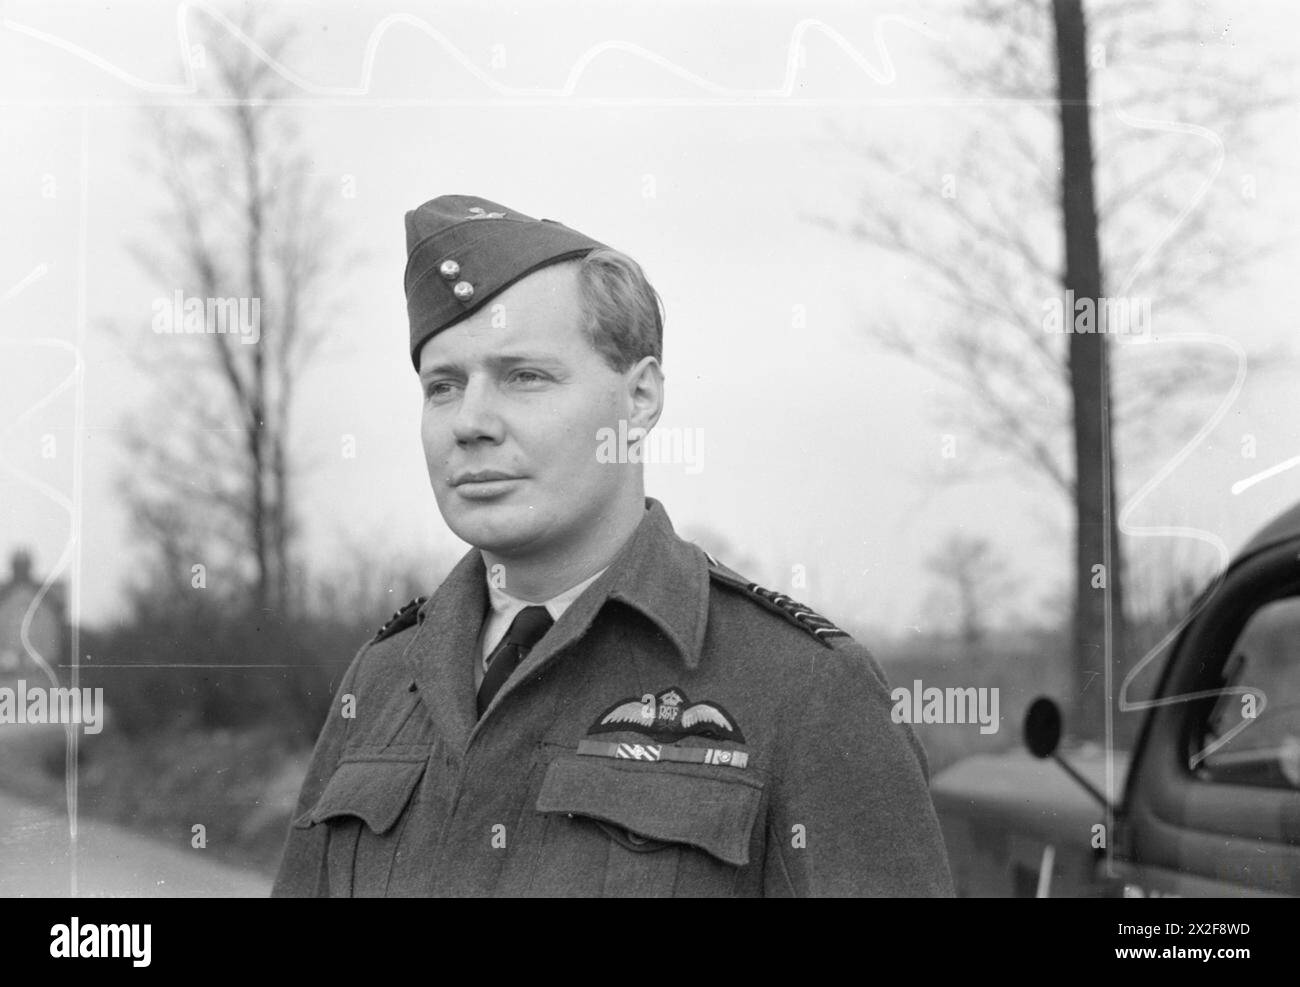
(468, 477)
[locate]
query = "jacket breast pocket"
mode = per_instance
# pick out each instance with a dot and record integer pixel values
(647, 829)
(364, 807)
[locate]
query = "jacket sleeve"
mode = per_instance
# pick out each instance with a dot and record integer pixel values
(303, 872)
(850, 811)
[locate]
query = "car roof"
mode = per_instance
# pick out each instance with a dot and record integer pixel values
(1282, 528)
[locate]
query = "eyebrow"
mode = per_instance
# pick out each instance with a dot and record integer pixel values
(495, 362)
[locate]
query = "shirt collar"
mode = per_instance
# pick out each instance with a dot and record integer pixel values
(506, 606)
(657, 573)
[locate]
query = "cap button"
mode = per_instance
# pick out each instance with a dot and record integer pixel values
(463, 290)
(449, 269)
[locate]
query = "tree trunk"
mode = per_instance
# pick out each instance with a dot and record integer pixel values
(1097, 563)
(262, 513)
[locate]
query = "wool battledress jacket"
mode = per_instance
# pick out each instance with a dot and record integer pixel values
(679, 731)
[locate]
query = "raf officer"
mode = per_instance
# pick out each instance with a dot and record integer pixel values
(588, 704)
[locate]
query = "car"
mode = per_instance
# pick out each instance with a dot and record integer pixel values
(1209, 798)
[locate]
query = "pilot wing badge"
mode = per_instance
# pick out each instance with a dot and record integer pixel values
(669, 717)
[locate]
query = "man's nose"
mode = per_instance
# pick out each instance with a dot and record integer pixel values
(476, 417)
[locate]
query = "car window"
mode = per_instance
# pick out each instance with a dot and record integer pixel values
(1252, 734)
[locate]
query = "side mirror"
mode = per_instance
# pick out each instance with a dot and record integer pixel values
(1043, 735)
(1043, 727)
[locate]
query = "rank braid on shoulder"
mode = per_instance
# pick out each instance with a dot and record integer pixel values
(799, 614)
(401, 620)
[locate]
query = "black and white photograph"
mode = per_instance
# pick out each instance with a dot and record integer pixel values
(581, 449)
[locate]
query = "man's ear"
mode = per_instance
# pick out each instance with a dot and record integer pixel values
(645, 391)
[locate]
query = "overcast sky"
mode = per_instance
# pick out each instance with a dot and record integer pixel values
(818, 449)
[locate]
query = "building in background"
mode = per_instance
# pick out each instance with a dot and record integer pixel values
(48, 632)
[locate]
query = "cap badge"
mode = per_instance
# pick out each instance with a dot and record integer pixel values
(478, 212)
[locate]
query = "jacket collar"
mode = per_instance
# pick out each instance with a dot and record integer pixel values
(657, 573)
(439, 656)
(667, 579)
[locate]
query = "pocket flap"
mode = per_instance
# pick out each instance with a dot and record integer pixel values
(374, 791)
(715, 814)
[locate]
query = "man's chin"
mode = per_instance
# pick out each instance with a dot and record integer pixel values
(499, 528)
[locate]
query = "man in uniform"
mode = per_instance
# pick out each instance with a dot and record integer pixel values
(588, 704)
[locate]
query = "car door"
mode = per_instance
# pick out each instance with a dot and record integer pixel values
(1213, 800)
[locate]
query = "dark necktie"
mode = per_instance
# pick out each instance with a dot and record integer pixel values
(525, 630)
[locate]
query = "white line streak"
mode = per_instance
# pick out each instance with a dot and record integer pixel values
(1173, 127)
(884, 75)
(1177, 531)
(1171, 531)
(189, 664)
(78, 480)
(1126, 705)
(1045, 867)
(36, 273)
(1243, 485)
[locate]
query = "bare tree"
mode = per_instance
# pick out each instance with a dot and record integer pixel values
(1091, 168)
(973, 576)
(371, 581)
(245, 220)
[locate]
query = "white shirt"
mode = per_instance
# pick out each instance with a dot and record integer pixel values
(506, 607)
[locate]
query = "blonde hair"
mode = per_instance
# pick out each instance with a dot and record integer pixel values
(625, 319)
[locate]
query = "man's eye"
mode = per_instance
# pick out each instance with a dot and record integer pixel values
(527, 377)
(436, 389)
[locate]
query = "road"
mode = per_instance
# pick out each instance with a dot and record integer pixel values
(36, 861)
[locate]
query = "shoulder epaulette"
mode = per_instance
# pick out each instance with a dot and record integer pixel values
(401, 620)
(804, 617)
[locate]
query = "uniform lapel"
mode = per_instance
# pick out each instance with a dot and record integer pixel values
(441, 654)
